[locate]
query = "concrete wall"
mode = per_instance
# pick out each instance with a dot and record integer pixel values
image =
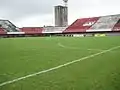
(61, 16)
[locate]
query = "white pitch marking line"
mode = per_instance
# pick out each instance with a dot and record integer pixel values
(63, 46)
(57, 67)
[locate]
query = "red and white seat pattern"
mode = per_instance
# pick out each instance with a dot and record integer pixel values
(81, 25)
(92, 24)
(117, 26)
(95, 24)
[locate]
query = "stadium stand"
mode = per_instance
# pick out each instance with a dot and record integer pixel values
(81, 25)
(105, 23)
(8, 26)
(52, 29)
(31, 30)
(95, 24)
(117, 26)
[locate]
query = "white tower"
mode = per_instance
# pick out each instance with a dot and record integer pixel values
(61, 15)
(65, 2)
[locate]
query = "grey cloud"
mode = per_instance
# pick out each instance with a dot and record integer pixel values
(13, 9)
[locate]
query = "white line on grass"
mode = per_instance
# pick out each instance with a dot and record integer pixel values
(57, 67)
(63, 46)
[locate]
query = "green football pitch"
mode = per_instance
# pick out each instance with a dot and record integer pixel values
(60, 63)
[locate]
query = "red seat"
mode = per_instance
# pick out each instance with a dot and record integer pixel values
(32, 30)
(81, 25)
(2, 31)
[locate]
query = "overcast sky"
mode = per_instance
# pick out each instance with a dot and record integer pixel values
(41, 12)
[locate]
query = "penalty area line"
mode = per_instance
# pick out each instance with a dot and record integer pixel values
(57, 67)
(63, 46)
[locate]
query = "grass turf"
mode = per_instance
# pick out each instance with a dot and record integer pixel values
(23, 56)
